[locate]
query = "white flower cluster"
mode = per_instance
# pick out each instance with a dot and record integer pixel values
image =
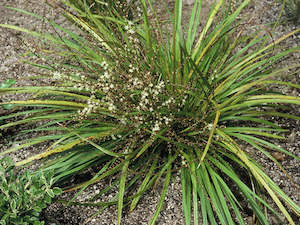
(158, 88)
(167, 103)
(92, 105)
(151, 101)
(82, 83)
(134, 41)
(136, 82)
(77, 80)
(123, 121)
(129, 28)
(156, 127)
(183, 100)
(132, 69)
(167, 120)
(104, 65)
(209, 126)
(105, 82)
(57, 75)
(110, 103)
(132, 81)
(161, 121)
(150, 96)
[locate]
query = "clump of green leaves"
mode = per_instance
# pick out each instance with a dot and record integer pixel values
(292, 9)
(137, 103)
(24, 196)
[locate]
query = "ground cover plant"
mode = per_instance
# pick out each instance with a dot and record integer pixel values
(292, 10)
(140, 103)
(24, 195)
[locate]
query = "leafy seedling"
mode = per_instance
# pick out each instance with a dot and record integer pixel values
(7, 84)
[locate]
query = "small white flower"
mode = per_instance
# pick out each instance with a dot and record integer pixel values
(209, 126)
(113, 137)
(136, 81)
(106, 75)
(104, 65)
(123, 121)
(111, 107)
(131, 31)
(156, 127)
(57, 75)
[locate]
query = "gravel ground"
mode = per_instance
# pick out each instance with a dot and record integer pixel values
(13, 44)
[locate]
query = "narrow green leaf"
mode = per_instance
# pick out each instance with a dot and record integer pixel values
(122, 188)
(186, 194)
(7, 83)
(162, 197)
(194, 192)
(143, 185)
(220, 195)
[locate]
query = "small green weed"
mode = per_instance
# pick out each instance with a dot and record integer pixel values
(6, 84)
(23, 196)
(292, 10)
